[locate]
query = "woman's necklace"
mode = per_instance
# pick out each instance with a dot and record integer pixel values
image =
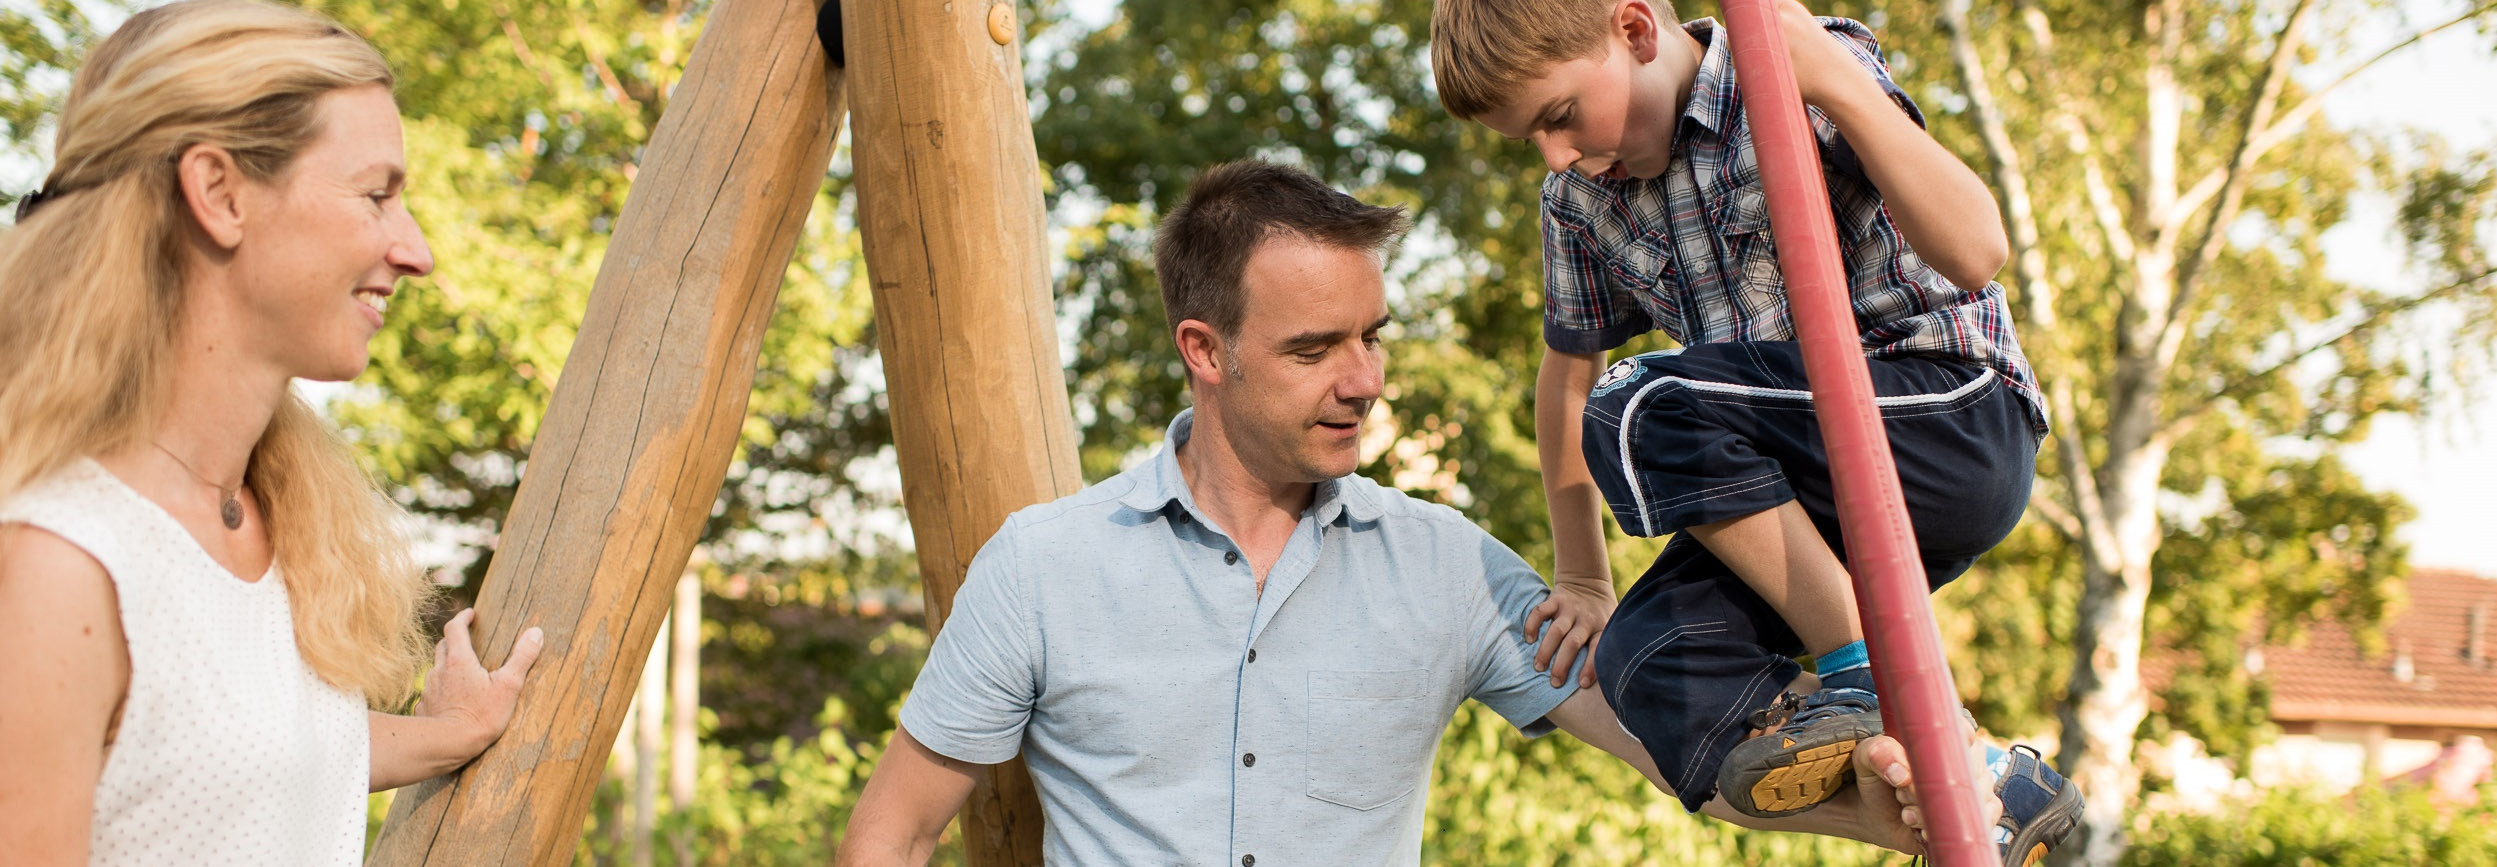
(232, 510)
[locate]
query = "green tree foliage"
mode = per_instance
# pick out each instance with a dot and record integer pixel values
(524, 125)
(39, 47)
(525, 121)
(2289, 827)
(2168, 186)
(1127, 113)
(1498, 799)
(2174, 186)
(2169, 183)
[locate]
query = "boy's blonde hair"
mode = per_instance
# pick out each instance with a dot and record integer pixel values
(1482, 50)
(93, 288)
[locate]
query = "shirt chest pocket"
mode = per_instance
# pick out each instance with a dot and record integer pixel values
(1371, 735)
(1748, 246)
(1645, 259)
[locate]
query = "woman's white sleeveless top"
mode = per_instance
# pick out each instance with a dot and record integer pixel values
(230, 751)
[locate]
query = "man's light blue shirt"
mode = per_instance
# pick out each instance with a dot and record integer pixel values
(1172, 714)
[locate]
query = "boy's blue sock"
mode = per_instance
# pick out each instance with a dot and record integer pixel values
(1850, 667)
(1847, 667)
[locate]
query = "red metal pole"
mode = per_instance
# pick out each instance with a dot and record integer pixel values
(1920, 706)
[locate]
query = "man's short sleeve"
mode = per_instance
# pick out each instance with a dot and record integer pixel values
(1582, 310)
(975, 694)
(1504, 675)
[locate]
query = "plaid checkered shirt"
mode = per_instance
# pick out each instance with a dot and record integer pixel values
(1690, 252)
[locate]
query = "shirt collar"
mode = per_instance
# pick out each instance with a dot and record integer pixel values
(1159, 483)
(1712, 87)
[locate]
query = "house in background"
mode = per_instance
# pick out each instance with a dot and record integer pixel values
(2422, 709)
(2348, 717)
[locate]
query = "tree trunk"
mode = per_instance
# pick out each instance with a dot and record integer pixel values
(636, 442)
(648, 717)
(2106, 704)
(618, 826)
(2104, 708)
(949, 207)
(684, 704)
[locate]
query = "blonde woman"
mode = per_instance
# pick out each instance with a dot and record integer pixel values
(200, 592)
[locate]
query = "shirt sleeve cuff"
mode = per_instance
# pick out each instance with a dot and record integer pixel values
(945, 742)
(1905, 104)
(1581, 341)
(1532, 714)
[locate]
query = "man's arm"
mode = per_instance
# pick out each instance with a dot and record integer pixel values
(1585, 716)
(913, 792)
(974, 697)
(1582, 577)
(1941, 207)
(1873, 810)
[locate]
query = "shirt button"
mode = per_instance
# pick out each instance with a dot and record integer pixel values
(1252, 654)
(1248, 861)
(1248, 759)
(1230, 558)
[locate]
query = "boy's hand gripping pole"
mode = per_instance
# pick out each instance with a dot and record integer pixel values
(1919, 703)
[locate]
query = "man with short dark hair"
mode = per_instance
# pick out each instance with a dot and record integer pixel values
(1239, 651)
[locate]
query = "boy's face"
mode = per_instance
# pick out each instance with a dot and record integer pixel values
(1610, 114)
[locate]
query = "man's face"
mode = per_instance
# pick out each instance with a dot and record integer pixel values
(1610, 114)
(1301, 375)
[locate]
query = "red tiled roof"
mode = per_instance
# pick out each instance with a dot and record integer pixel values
(2328, 677)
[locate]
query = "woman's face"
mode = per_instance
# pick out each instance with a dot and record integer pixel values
(328, 240)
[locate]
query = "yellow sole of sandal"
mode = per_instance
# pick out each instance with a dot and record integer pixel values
(1817, 774)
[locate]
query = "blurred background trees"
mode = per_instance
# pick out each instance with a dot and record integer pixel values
(2160, 162)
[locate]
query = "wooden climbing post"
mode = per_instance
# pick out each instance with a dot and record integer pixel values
(634, 447)
(949, 206)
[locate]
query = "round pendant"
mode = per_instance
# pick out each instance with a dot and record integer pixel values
(232, 513)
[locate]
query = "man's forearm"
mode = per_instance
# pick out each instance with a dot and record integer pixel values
(1941, 207)
(1586, 716)
(871, 844)
(913, 792)
(1561, 388)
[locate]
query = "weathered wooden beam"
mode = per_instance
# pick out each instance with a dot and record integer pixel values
(637, 439)
(950, 210)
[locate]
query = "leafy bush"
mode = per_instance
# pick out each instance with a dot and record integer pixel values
(2304, 828)
(1499, 800)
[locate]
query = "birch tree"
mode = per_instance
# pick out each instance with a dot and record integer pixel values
(2166, 178)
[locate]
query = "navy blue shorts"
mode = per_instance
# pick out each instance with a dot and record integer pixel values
(1689, 437)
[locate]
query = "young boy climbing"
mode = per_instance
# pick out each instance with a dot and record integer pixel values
(1654, 218)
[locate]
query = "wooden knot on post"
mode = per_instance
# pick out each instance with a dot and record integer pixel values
(1001, 23)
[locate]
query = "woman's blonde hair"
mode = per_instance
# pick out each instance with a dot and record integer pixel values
(92, 284)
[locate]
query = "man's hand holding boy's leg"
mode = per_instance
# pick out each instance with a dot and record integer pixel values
(1879, 809)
